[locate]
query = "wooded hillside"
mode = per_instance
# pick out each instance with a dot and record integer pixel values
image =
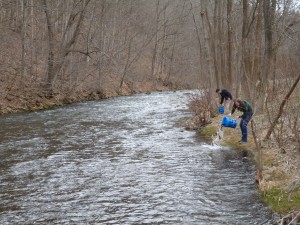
(70, 50)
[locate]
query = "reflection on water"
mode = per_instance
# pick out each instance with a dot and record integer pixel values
(121, 161)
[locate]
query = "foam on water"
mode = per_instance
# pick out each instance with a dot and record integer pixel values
(213, 146)
(217, 140)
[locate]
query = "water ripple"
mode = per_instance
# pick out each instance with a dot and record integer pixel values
(121, 161)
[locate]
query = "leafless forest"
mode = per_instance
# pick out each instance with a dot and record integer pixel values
(81, 49)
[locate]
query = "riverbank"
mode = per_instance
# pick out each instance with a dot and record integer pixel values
(22, 102)
(279, 185)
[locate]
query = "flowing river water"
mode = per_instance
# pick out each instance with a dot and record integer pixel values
(125, 160)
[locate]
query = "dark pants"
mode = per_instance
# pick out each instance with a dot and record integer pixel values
(243, 125)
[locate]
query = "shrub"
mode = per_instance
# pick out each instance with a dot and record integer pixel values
(199, 104)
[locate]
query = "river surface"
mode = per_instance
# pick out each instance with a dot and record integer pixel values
(126, 160)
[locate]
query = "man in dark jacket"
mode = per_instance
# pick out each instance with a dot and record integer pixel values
(246, 108)
(225, 95)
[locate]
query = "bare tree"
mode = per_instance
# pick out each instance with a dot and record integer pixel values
(268, 54)
(59, 50)
(280, 111)
(229, 80)
(212, 47)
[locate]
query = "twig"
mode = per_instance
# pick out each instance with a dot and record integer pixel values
(295, 218)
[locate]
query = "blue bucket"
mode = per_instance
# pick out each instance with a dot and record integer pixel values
(221, 109)
(228, 122)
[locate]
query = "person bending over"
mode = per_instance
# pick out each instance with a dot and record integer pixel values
(246, 108)
(225, 95)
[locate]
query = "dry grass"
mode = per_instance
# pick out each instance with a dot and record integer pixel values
(280, 168)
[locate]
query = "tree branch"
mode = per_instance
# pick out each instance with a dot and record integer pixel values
(281, 109)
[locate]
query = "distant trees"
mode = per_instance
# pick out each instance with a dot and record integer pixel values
(65, 48)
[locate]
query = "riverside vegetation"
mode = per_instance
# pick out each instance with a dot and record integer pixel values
(277, 159)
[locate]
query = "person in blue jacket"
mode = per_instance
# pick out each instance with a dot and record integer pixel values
(225, 95)
(246, 108)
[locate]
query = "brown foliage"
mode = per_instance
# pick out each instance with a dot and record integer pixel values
(199, 104)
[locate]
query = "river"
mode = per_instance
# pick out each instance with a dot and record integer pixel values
(126, 160)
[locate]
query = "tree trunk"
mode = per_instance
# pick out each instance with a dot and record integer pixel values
(212, 47)
(101, 46)
(220, 46)
(229, 45)
(267, 59)
(245, 53)
(257, 52)
(162, 52)
(23, 33)
(127, 64)
(280, 111)
(154, 54)
(69, 36)
(208, 64)
(198, 39)
(50, 71)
